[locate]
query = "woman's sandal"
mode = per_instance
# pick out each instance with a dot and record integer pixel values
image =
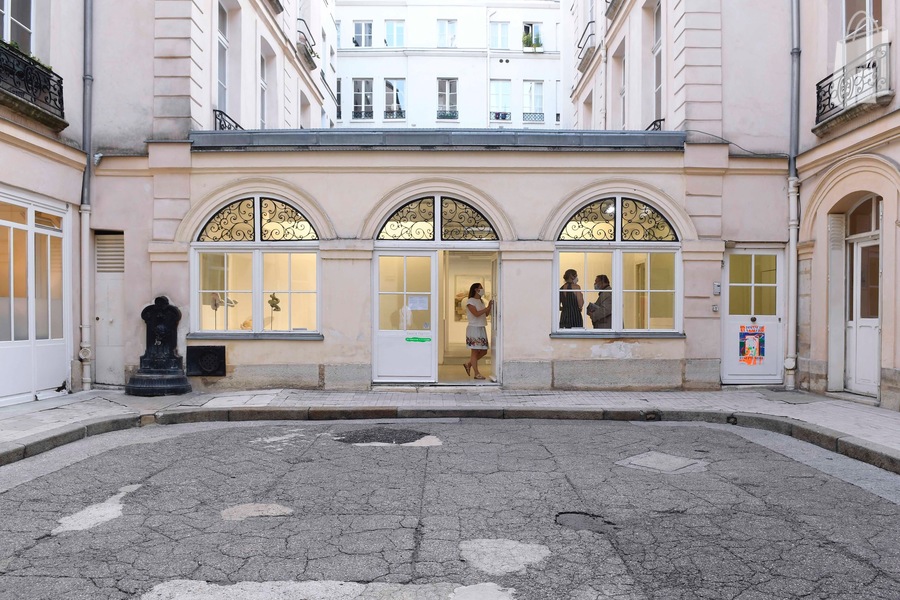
(479, 377)
(467, 368)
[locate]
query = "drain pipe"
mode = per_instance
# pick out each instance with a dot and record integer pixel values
(85, 352)
(790, 362)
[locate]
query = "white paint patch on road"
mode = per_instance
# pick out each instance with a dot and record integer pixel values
(246, 511)
(95, 514)
(499, 557)
(181, 589)
(277, 439)
(428, 440)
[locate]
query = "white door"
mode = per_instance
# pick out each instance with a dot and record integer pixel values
(863, 343)
(405, 316)
(109, 309)
(752, 323)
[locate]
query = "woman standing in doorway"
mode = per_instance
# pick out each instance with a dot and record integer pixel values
(476, 332)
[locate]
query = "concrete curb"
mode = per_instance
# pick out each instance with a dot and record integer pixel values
(853, 447)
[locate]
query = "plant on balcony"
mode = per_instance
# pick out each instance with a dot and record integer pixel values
(527, 41)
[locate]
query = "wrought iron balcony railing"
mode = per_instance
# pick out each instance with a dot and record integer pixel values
(395, 114)
(305, 43)
(865, 80)
(363, 114)
(655, 125)
(586, 46)
(224, 122)
(447, 114)
(26, 79)
(500, 116)
(533, 117)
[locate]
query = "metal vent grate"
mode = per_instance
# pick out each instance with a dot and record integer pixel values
(110, 253)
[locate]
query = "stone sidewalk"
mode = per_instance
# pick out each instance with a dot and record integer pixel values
(856, 430)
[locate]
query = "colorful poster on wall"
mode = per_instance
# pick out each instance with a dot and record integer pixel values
(752, 344)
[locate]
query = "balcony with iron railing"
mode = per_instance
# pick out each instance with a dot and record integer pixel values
(395, 114)
(363, 114)
(500, 116)
(305, 44)
(225, 123)
(587, 45)
(447, 114)
(31, 88)
(859, 86)
(532, 117)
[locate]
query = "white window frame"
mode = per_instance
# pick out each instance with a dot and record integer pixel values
(534, 29)
(446, 37)
(8, 20)
(363, 99)
(623, 93)
(337, 31)
(617, 249)
(222, 58)
(362, 34)
(263, 91)
(533, 96)
(448, 90)
(338, 99)
(395, 98)
(259, 307)
(395, 33)
(499, 35)
(501, 93)
(658, 66)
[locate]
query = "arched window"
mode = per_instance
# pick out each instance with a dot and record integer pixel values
(619, 269)
(457, 221)
(257, 269)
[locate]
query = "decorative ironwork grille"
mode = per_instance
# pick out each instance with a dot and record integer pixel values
(460, 221)
(363, 114)
(31, 81)
(233, 223)
(224, 122)
(643, 223)
(655, 125)
(500, 116)
(447, 114)
(858, 82)
(533, 116)
(412, 221)
(282, 222)
(395, 114)
(597, 222)
(594, 222)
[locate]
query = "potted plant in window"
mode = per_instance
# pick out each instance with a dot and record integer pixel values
(536, 43)
(527, 43)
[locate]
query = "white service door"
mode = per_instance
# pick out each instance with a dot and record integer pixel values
(862, 366)
(751, 323)
(405, 317)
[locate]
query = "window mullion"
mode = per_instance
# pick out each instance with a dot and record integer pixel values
(256, 292)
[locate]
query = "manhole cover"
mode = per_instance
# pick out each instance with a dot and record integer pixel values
(380, 435)
(584, 522)
(660, 462)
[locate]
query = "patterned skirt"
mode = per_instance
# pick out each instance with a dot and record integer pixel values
(476, 337)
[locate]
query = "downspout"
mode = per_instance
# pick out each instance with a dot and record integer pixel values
(85, 352)
(790, 362)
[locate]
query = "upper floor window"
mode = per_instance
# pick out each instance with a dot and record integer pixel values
(246, 279)
(222, 57)
(499, 35)
(362, 34)
(533, 99)
(337, 29)
(500, 97)
(446, 100)
(362, 99)
(16, 23)
(263, 91)
(656, 51)
(394, 98)
(337, 96)
(531, 35)
(394, 34)
(619, 269)
(446, 33)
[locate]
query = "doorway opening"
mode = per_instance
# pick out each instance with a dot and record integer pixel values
(458, 271)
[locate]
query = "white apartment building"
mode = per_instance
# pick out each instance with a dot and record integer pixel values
(460, 64)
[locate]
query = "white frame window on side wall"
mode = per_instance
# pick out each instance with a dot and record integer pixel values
(395, 33)
(18, 25)
(636, 247)
(255, 271)
(362, 34)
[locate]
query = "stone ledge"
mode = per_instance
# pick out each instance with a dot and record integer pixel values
(191, 415)
(338, 413)
(42, 442)
(782, 425)
(460, 413)
(581, 414)
(822, 437)
(870, 452)
(269, 413)
(11, 452)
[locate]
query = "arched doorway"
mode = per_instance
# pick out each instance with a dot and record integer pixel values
(862, 335)
(428, 253)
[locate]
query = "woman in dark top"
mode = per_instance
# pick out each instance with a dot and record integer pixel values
(570, 303)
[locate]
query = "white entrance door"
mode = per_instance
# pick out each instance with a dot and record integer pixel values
(495, 321)
(405, 317)
(863, 343)
(752, 324)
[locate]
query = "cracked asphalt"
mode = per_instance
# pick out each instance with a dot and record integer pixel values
(447, 509)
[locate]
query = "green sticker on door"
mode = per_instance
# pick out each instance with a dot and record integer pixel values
(418, 339)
